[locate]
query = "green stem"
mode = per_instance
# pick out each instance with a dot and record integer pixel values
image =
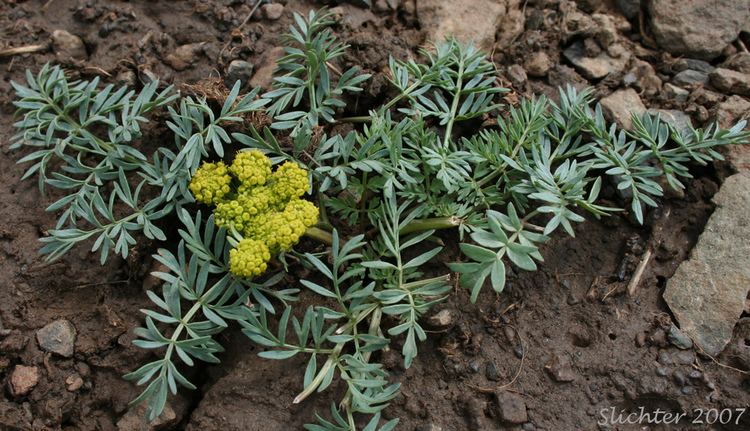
(419, 283)
(454, 105)
(358, 119)
(420, 225)
(319, 235)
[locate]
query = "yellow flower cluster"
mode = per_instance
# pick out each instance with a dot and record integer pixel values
(251, 168)
(281, 230)
(210, 183)
(290, 181)
(249, 259)
(266, 207)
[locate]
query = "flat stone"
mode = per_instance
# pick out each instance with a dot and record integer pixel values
(621, 105)
(511, 408)
(739, 62)
(58, 337)
(475, 21)
(707, 292)
(692, 63)
(697, 28)
(22, 380)
(675, 93)
(677, 119)
(690, 77)
(594, 67)
(68, 45)
(730, 81)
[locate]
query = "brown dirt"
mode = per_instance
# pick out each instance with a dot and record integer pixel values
(573, 309)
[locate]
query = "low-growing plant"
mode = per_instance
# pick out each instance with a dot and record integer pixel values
(443, 153)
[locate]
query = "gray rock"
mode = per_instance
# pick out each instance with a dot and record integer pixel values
(560, 369)
(272, 11)
(642, 77)
(594, 67)
(679, 339)
(731, 81)
(58, 337)
(684, 357)
(677, 94)
(517, 75)
(238, 70)
(68, 45)
(538, 64)
(511, 408)
(692, 63)
(22, 380)
(677, 119)
(490, 371)
(474, 21)
(629, 8)
(690, 77)
(621, 105)
(707, 292)
(739, 62)
(697, 28)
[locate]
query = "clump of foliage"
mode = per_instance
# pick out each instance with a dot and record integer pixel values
(86, 142)
(418, 164)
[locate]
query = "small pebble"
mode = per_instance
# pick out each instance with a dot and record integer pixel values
(58, 337)
(490, 371)
(22, 380)
(688, 390)
(474, 366)
(679, 377)
(272, 11)
(518, 351)
(74, 382)
(662, 371)
(679, 339)
(665, 358)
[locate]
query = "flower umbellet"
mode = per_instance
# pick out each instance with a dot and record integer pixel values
(210, 183)
(266, 211)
